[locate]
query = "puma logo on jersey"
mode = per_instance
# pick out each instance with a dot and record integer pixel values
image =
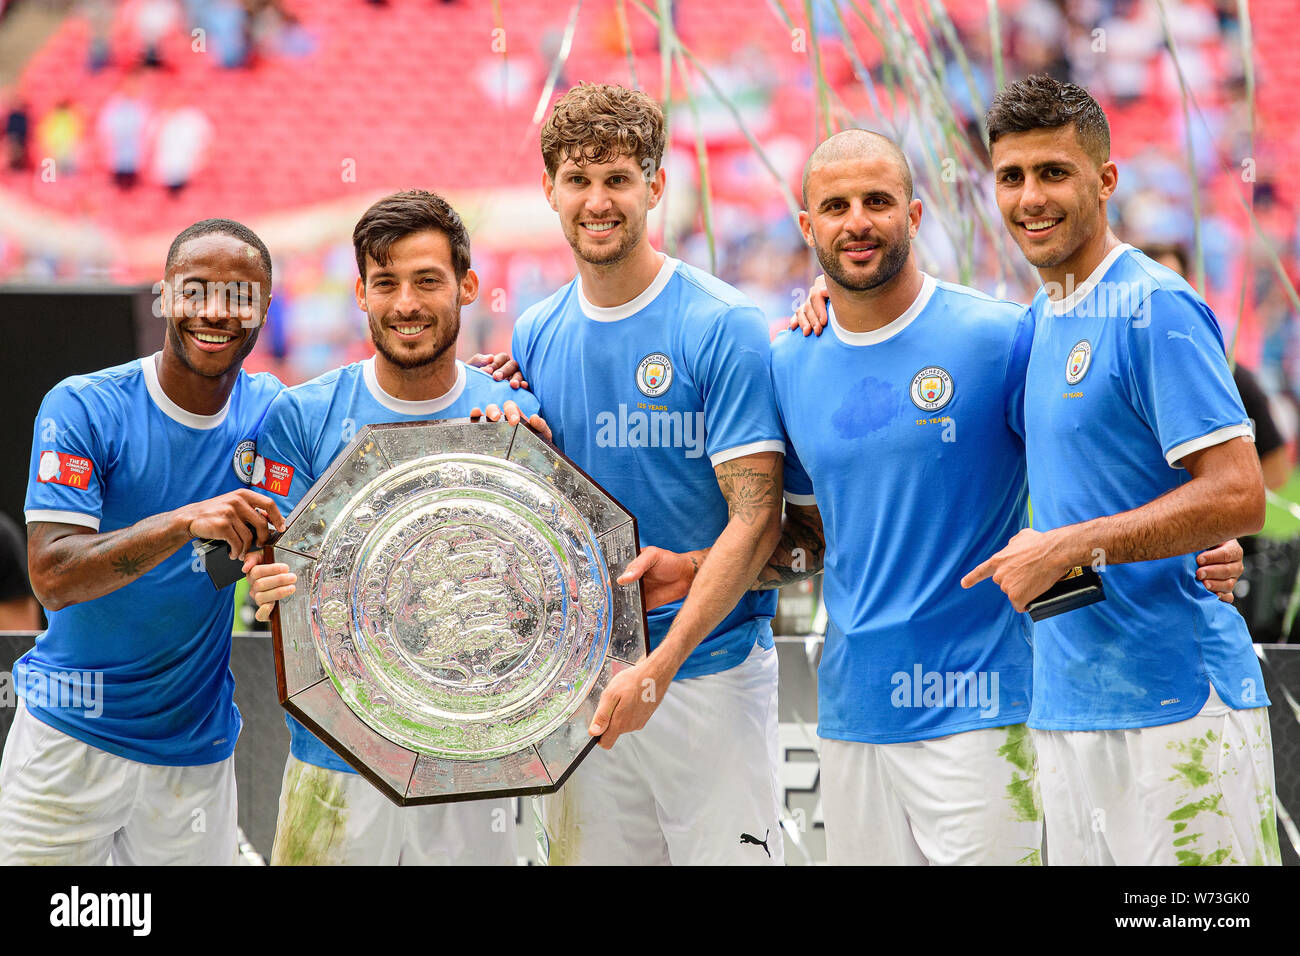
(746, 838)
(1170, 333)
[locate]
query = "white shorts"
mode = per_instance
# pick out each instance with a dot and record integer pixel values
(967, 798)
(696, 785)
(1195, 792)
(64, 802)
(328, 817)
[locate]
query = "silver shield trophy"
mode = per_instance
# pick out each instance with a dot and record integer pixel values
(457, 615)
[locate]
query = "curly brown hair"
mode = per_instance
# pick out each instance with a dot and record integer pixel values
(598, 123)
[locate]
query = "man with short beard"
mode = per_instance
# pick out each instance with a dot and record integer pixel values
(653, 375)
(126, 733)
(1149, 715)
(904, 460)
(413, 257)
(924, 687)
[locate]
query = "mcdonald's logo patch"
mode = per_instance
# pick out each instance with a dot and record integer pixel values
(62, 469)
(273, 476)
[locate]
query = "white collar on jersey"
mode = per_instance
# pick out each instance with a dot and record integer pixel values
(1062, 306)
(616, 312)
(402, 407)
(884, 333)
(149, 366)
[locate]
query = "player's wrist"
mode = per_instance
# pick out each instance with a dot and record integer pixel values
(177, 526)
(1066, 548)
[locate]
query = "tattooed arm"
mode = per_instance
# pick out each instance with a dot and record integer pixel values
(799, 553)
(70, 564)
(752, 486)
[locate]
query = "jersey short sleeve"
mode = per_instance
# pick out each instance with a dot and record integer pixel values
(731, 369)
(521, 342)
(284, 463)
(1179, 375)
(796, 481)
(1017, 367)
(65, 482)
(526, 400)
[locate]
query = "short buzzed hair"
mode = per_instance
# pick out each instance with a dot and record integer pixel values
(219, 227)
(856, 144)
(1043, 102)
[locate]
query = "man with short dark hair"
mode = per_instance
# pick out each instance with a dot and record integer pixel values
(1149, 711)
(413, 258)
(923, 688)
(122, 747)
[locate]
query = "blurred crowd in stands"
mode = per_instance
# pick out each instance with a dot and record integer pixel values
(1116, 48)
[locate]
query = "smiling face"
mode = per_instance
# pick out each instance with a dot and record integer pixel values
(603, 206)
(860, 221)
(413, 301)
(1052, 195)
(215, 297)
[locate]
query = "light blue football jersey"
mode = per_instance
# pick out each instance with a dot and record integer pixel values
(309, 424)
(909, 440)
(1127, 375)
(648, 398)
(144, 671)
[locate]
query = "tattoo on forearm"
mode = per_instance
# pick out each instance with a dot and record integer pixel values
(799, 555)
(749, 492)
(129, 566)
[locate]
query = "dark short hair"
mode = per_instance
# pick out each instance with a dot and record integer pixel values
(220, 227)
(402, 214)
(598, 123)
(1043, 102)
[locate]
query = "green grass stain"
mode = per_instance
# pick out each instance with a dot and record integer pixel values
(1188, 810)
(1193, 771)
(1183, 841)
(1032, 858)
(1022, 792)
(1179, 827)
(315, 814)
(1270, 853)
(1192, 858)
(1018, 749)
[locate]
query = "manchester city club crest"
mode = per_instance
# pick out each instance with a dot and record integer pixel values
(245, 453)
(931, 389)
(1076, 366)
(654, 374)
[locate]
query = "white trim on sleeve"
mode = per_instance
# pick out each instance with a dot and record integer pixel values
(740, 451)
(63, 517)
(1217, 437)
(806, 501)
